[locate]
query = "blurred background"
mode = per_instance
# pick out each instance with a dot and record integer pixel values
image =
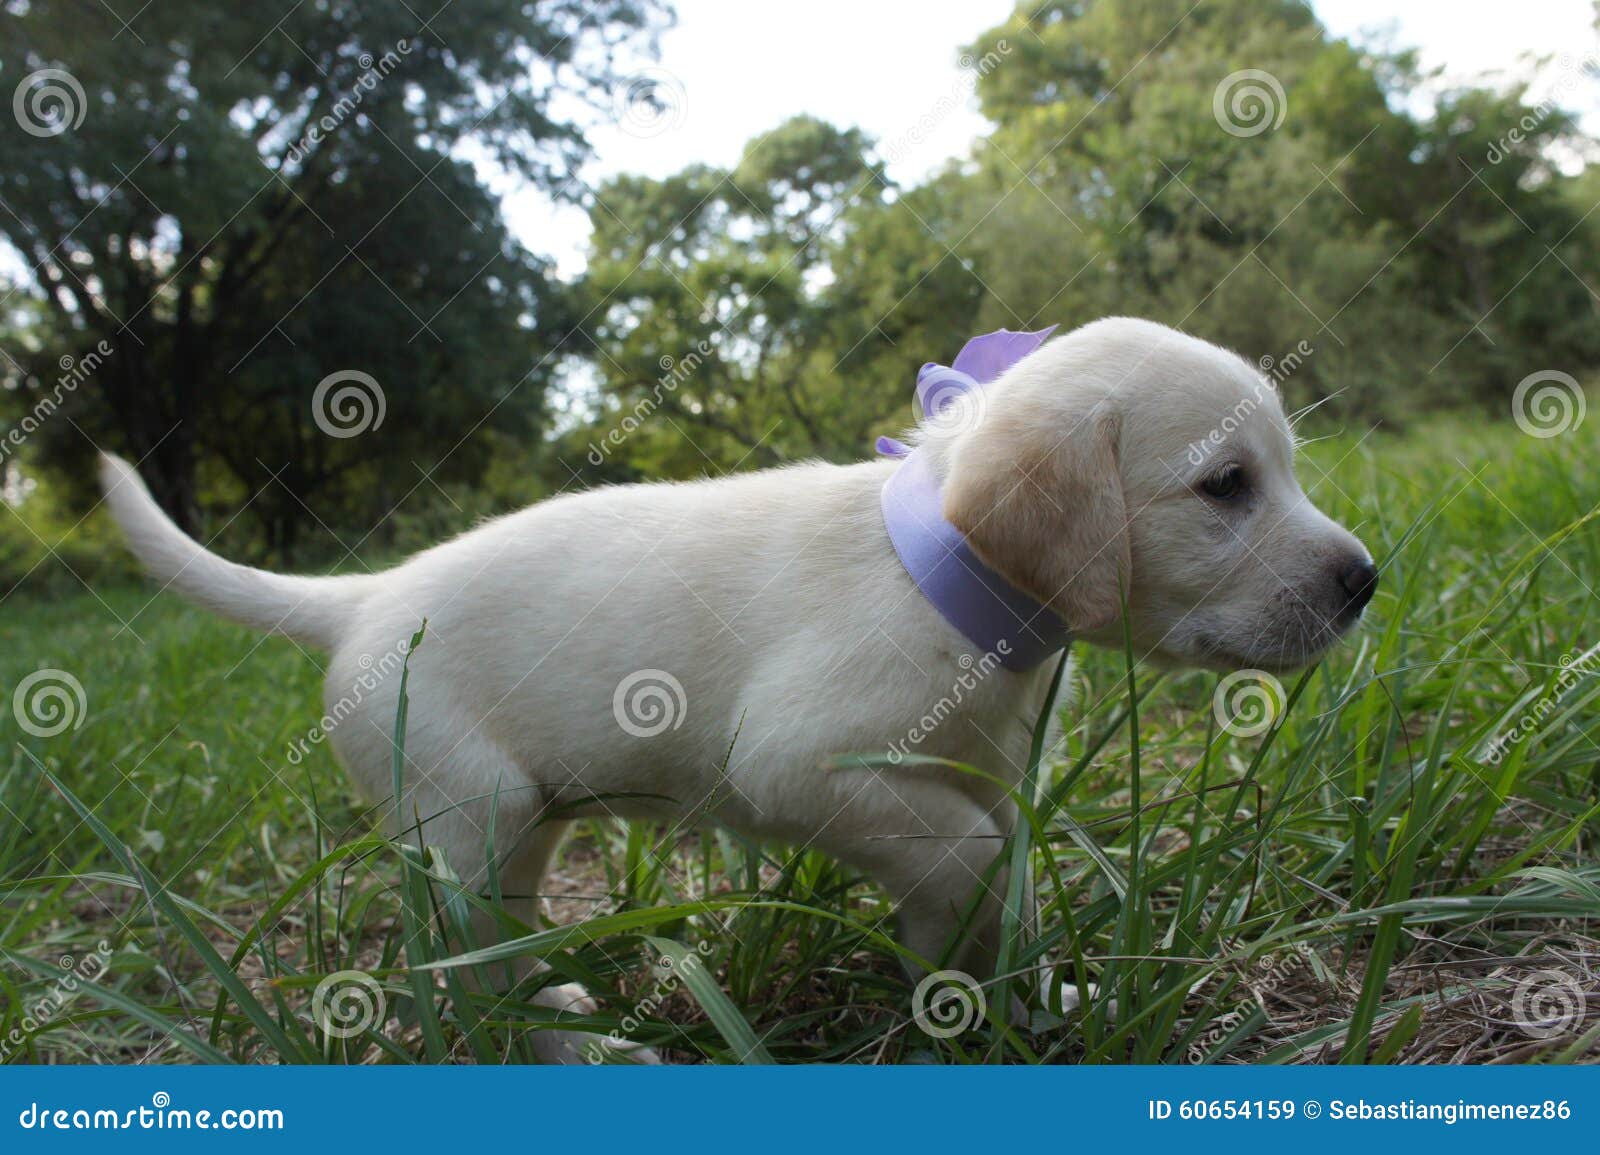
(544, 246)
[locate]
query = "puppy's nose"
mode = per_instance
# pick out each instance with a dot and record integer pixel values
(1359, 580)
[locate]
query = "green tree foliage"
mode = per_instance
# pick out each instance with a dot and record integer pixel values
(1423, 258)
(706, 307)
(249, 204)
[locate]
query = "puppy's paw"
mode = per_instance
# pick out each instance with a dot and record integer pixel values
(565, 1048)
(1072, 998)
(570, 1048)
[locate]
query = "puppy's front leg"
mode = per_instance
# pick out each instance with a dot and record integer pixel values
(940, 868)
(940, 929)
(949, 887)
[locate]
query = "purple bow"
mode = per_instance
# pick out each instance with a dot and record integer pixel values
(981, 604)
(980, 361)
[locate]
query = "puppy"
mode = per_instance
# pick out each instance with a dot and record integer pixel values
(701, 651)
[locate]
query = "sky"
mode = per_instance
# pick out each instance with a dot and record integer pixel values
(730, 71)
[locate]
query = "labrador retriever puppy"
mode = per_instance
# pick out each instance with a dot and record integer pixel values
(704, 650)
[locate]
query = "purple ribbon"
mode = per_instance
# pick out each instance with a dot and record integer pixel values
(988, 610)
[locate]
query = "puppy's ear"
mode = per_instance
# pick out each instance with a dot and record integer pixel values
(1041, 502)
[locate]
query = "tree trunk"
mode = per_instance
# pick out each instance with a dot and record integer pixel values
(170, 473)
(164, 454)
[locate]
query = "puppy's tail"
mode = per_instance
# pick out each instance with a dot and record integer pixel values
(310, 609)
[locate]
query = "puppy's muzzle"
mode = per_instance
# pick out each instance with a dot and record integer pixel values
(1358, 581)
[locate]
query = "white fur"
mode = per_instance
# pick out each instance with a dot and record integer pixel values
(776, 601)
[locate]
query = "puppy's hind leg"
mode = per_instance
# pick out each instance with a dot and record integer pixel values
(464, 787)
(518, 876)
(480, 819)
(521, 879)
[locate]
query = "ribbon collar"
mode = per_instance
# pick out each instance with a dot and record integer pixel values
(987, 609)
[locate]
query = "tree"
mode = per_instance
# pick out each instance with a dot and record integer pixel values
(706, 298)
(242, 207)
(1235, 171)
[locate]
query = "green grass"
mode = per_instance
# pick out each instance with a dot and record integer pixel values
(1359, 882)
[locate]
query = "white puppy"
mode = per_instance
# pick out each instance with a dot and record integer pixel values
(598, 653)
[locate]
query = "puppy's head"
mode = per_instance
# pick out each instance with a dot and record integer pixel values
(1127, 463)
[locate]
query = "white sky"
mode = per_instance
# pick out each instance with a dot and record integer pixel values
(736, 70)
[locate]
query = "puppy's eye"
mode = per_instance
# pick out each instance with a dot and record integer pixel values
(1225, 483)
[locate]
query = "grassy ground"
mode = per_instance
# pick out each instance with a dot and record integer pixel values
(1364, 879)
